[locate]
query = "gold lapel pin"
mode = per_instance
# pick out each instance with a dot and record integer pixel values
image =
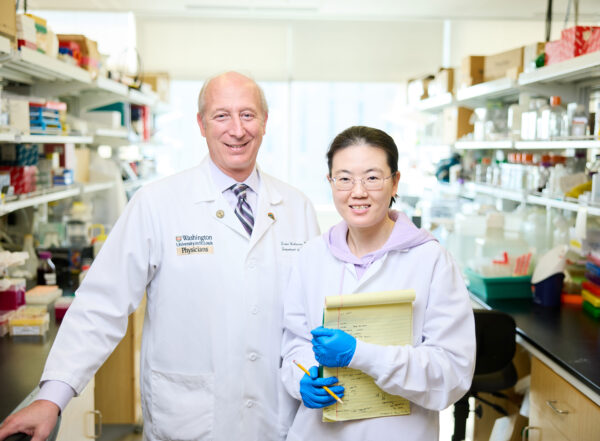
(271, 215)
(220, 214)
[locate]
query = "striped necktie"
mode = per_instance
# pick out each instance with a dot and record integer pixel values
(242, 209)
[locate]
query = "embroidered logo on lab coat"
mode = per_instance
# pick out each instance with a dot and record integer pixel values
(188, 244)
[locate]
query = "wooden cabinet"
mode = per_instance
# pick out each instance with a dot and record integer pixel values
(118, 380)
(78, 419)
(558, 411)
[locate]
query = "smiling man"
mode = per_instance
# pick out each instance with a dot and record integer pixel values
(211, 248)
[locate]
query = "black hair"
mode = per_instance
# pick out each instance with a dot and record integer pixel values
(362, 135)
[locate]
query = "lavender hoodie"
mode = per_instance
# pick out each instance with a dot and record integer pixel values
(405, 235)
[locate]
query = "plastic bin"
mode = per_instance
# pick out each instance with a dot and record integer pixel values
(490, 288)
(547, 292)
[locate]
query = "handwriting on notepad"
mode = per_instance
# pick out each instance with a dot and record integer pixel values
(380, 318)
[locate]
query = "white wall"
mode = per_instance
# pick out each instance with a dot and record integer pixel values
(284, 50)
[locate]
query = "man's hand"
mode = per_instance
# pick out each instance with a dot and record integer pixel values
(313, 394)
(36, 420)
(333, 347)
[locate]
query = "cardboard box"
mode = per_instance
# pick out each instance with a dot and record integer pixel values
(530, 53)
(456, 124)
(18, 115)
(160, 83)
(471, 71)
(507, 64)
(443, 82)
(22, 178)
(418, 89)
(90, 57)
(82, 169)
(593, 43)
(18, 154)
(555, 52)
(8, 19)
(576, 39)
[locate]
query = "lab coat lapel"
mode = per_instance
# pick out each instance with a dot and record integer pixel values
(266, 213)
(223, 213)
(206, 192)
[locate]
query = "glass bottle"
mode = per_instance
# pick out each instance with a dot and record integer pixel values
(542, 120)
(579, 122)
(556, 118)
(46, 272)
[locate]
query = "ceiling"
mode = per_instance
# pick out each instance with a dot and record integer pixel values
(589, 10)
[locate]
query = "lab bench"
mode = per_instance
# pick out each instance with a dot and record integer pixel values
(564, 344)
(566, 340)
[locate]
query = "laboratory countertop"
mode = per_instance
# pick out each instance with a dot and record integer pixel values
(567, 336)
(22, 361)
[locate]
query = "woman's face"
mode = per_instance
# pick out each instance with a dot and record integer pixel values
(359, 206)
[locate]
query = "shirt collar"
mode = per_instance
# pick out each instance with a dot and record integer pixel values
(223, 182)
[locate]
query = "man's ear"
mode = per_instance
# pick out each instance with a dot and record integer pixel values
(201, 124)
(265, 123)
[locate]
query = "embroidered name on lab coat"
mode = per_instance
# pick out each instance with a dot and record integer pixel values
(188, 244)
(291, 245)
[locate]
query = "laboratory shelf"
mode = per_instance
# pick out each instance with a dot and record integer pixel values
(479, 94)
(484, 145)
(472, 188)
(558, 144)
(50, 195)
(97, 186)
(29, 66)
(44, 139)
(112, 133)
(511, 195)
(583, 67)
(52, 77)
(435, 103)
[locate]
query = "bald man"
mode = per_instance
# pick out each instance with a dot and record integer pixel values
(211, 247)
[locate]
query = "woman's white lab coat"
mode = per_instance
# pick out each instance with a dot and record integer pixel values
(432, 373)
(210, 350)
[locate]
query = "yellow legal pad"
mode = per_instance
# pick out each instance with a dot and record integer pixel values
(383, 318)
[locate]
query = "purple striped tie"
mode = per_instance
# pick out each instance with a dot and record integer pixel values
(243, 210)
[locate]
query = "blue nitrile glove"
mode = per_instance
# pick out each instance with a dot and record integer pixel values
(333, 347)
(313, 394)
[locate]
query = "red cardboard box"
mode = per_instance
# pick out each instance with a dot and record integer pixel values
(22, 178)
(577, 38)
(593, 43)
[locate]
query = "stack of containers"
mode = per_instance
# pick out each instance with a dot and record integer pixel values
(41, 33)
(26, 33)
(591, 285)
(44, 120)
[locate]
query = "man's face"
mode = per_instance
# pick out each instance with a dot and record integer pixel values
(233, 124)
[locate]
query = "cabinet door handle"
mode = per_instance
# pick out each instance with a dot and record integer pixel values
(525, 432)
(556, 409)
(99, 434)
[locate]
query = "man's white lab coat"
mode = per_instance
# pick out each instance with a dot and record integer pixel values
(210, 356)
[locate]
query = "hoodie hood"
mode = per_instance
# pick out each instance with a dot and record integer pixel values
(405, 236)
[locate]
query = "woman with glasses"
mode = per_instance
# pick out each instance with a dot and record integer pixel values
(375, 249)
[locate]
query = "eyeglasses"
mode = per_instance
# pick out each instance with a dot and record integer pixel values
(345, 183)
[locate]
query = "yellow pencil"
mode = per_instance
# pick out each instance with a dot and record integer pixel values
(339, 400)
